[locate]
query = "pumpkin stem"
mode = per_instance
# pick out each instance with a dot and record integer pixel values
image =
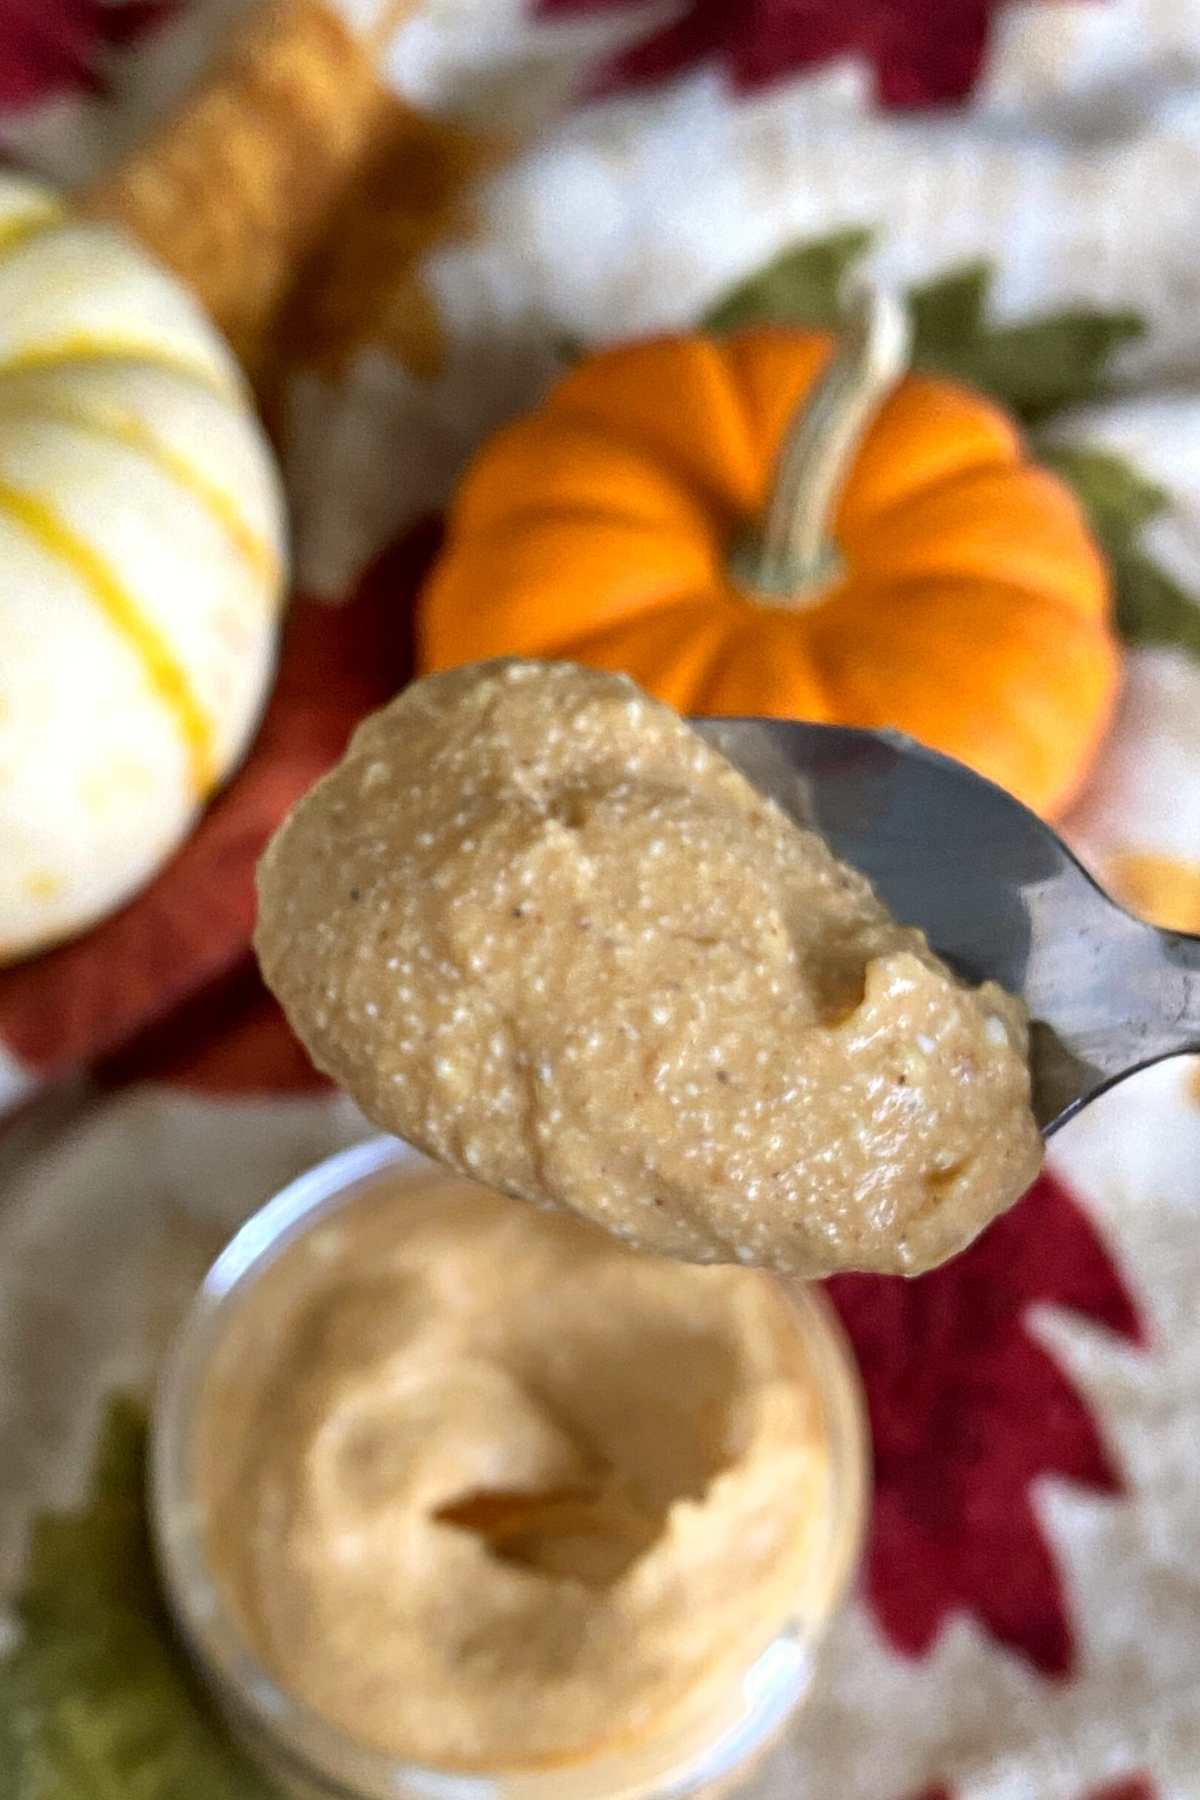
(793, 559)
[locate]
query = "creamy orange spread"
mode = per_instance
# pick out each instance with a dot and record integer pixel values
(486, 1488)
(534, 924)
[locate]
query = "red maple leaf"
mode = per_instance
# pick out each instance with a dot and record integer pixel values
(191, 927)
(61, 47)
(967, 1411)
(924, 52)
(230, 1039)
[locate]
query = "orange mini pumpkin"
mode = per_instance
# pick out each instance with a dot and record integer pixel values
(760, 525)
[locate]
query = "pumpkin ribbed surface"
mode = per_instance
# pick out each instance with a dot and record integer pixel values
(969, 606)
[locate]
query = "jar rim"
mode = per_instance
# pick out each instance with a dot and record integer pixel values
(314, 1745)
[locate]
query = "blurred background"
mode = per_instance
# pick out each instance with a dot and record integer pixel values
(270, 276)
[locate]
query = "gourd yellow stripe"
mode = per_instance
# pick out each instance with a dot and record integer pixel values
(253, 550)
(163, 673)
(259, 555)
(86, 346)
(41, 216)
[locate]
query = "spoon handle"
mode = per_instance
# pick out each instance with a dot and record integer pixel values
(1132, 999)
(1153, 1002)
(1178, 997)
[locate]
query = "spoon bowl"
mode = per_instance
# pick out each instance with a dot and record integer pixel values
(995, 890)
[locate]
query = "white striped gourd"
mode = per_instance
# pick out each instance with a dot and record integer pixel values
(141, 567)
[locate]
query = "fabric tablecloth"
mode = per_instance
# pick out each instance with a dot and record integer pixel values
(1027, 1626)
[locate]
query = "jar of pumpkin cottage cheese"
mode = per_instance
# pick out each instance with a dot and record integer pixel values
(459, 1499)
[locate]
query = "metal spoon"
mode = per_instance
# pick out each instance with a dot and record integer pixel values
(996, 892)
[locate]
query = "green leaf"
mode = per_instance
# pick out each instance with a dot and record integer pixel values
(1119, 502)
(948, 311)
(1151, 607)
(569, 350)
(1033, 369)
(96, 1700)
(801, 287)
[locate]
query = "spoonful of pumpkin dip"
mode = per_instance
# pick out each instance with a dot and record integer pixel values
(536, 925)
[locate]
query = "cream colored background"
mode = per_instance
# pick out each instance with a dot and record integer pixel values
(1078, 172)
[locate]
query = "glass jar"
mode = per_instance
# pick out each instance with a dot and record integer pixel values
(711, 1742)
